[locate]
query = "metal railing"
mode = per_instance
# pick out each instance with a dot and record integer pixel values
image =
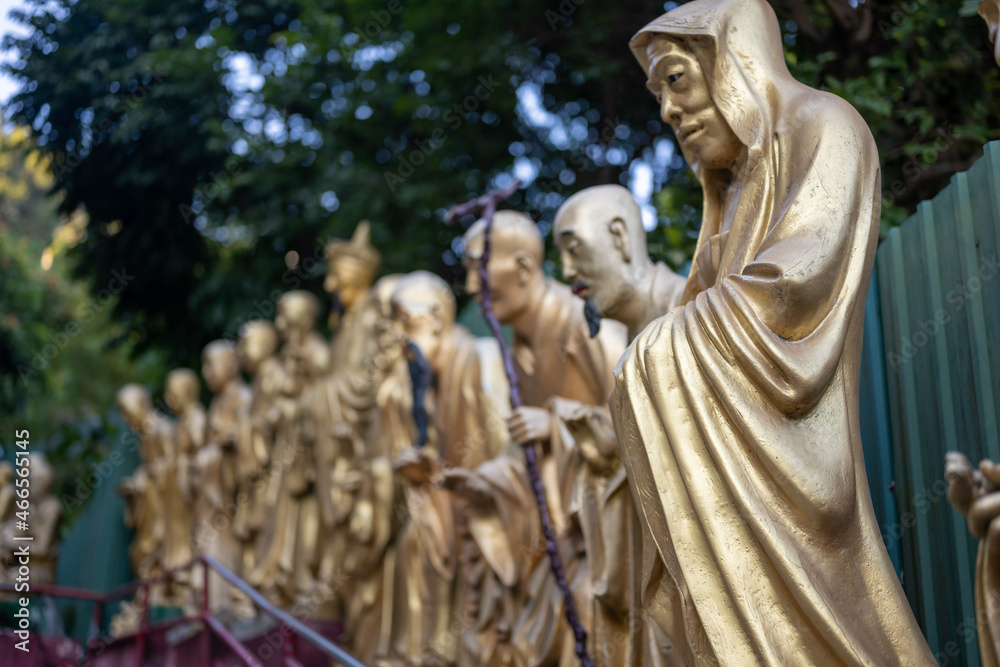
(292, 626)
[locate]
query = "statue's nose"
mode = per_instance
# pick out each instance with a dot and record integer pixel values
(568, 271)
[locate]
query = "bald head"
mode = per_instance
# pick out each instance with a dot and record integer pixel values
(297, 312)
(602, 247)
(382, 292)
(600, 206)
(424, 308)
(219, 364)
(512, 232)
(422, 291)
(182, 389)
(515, 265)
(258, 341)
(135, 404)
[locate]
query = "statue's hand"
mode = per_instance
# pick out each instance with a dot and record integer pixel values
(991, 475)
(416, 465)
(468, 485)
(958, 472)
(528, 425)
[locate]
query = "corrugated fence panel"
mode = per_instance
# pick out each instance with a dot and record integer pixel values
(875, 428)
(939, 315)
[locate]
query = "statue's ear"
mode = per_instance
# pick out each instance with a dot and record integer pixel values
(525, 267)
(619, 232)
(437, 312)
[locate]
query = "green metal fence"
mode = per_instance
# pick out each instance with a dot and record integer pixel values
(931, 384)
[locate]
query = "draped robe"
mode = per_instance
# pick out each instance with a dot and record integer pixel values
(737, 411)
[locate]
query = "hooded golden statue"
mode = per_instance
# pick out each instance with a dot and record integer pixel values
(737, 411)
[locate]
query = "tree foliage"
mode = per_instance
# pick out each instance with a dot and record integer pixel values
(215, 144)
(59, 364)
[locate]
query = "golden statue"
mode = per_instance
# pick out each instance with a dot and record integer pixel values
(156, 503)
(365, 485)
(220, 367)
(357, 361)
(181, 393)
(976, 494)
(287, 558)
(343, 405)
(439, 575)
(565, 377)
(8, 500)
(256, 349)
(44, 513)
(736, 411)
(142, 511)
(602, 247)
(218, 467)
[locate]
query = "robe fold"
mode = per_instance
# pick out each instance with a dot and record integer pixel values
(737, 411)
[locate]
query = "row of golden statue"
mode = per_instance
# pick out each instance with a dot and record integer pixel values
(714, 510)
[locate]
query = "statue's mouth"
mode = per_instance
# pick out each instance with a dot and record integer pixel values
(580, 288)
(689, 133)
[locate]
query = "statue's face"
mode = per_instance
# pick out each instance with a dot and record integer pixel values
(177, 393)
(254, 347)
(385, 328)
(347, 278)
(418, 324)
(686, 104)
(589, 261)
(218, 367)
(508, 289)
(293, 318)
(134, 408)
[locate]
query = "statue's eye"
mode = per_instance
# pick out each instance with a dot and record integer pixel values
(673, 77)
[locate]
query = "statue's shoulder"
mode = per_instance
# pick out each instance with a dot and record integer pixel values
(813, 112)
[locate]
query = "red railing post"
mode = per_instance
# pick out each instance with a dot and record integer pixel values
(206, 639)
(140, 639)
(205, 606)
(287, 647)
(96, 626)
